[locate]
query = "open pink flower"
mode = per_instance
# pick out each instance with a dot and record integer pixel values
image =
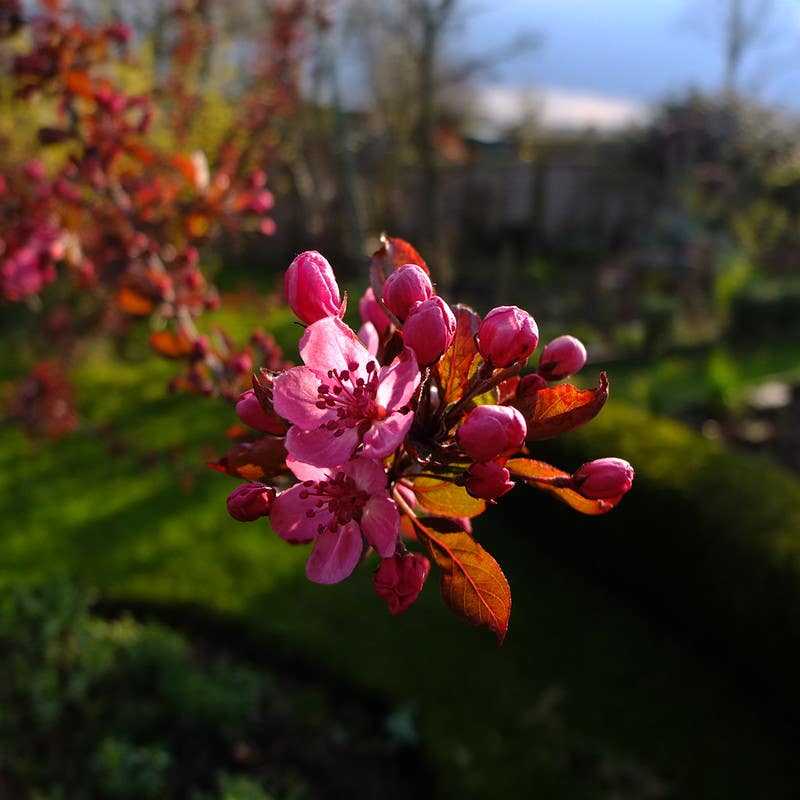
(337, 509)
(341, 403)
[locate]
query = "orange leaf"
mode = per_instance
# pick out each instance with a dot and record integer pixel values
(134, 303)
(473, 585)
(443, 498)
(254, 461)
(559, 409)
(535, 472)
(393, 253)
(456, 365)
(80, 83)
(171, 345)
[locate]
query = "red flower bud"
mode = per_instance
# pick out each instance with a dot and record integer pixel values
(429, 330)
(405, 289)
(311, 288)
(564, 356)
(241, 364)
(250, 411)
(603, 479)
(491, 431)
(530, 384)
(399, 579)
(488, 480)
(371, 311)
(507, 335)
(250, 501)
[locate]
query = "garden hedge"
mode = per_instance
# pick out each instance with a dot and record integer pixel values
(707, 542)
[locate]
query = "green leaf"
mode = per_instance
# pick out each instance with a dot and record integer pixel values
(473, 585)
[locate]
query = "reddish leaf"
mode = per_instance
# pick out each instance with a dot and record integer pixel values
(473, 585)
(443, 498)
(559, 409)
(171, 345)
(457, 364)
(254, 461)
(80, 83)
(134, 302)
(393, 253)
(535, 472)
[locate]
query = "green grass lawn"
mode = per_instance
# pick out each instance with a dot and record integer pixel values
(587, 698)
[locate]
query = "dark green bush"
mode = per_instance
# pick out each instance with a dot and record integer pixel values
(707, 542)
(767, 310)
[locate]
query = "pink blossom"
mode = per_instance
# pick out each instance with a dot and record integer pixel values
(562, 357)
(341, 402)
(603, 479)
(405, 289)
(507, 335)
(488, 480)
(370, 310)
(492, 431)
(399, 579)
(249, 411)
(429, 330)
(250, 501)
(311, 288)
(337, 509)
(530, 384)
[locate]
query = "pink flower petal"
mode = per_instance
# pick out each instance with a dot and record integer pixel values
(369, 337)
(380, 523)
(398, 382)
(295, 397)
(319, 447)
(369, 475)
(383, 437)
(330, 344)
(335, 555)
(289, 518)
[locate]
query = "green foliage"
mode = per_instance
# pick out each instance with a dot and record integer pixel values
(766, 310)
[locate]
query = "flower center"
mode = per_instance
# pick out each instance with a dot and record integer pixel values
(351, 398)
(339, 497)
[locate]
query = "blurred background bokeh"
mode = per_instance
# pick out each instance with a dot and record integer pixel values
(627, 172)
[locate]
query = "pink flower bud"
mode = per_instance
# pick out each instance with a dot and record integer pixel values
(241, 364)
(399, 579)
(564, 356)
(507, 335)
(429, 330)
(530, 384)
(250, 411)
(371, 311)
(488, 480)
(405, 289)
(603, 479)
(491, 431)
(250, 501)
(311, 288)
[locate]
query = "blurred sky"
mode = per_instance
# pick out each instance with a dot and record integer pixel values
(605, 62)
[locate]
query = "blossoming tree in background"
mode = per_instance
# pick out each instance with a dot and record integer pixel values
(114, 204)
(407, 430)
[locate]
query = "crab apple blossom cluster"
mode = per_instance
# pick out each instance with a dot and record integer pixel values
(393, 437)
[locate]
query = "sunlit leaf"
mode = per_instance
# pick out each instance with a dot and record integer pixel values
(473, 585)
(80, 83)
(171, 344)
(393, 253)
(536, 473)
(456, 365)
(134, 302)
(559, 409)
(443, 498)
(254, 461)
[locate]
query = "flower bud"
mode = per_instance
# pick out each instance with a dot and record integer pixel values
(530, 384)
(241, 364)
(250, 501)
(603, 479)
(250, 411)
(488, 480)
(507, 335)
(405, 289)
(491, 431)
(399, 579)
(371, 311)
(564, 356)
(429, 330)
(311, 288)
